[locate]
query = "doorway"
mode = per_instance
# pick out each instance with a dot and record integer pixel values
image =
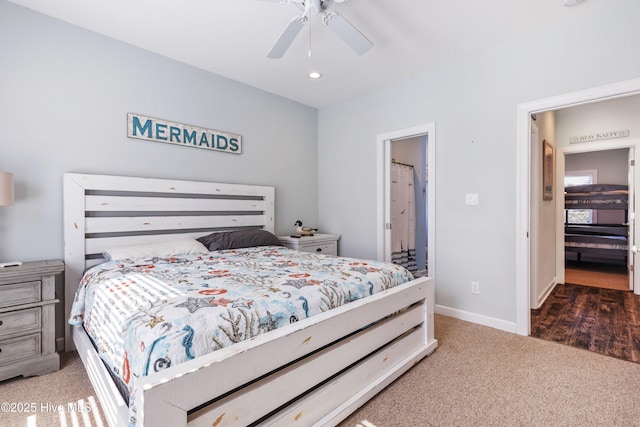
(523, 183)
(597, 230)
(575, 313)
(412, 149)
(408, 203)
(591, 307)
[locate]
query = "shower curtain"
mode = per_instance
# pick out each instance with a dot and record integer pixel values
(403, 216)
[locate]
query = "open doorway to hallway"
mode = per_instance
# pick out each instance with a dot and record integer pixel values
(524, 197)
(593, 210)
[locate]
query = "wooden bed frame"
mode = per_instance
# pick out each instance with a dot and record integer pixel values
(312, 372)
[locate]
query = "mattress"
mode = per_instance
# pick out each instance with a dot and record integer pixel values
(145, 315)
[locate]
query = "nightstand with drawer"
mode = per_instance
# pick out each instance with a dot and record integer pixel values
(319, 243)
(27, 319)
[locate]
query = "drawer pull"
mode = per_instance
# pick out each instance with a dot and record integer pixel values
(319, 250)
(0, 322)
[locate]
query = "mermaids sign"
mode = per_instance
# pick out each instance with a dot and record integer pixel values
(159, 130)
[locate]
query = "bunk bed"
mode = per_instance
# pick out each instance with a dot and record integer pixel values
(599, 239)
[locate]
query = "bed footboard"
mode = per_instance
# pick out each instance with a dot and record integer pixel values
(315, 372)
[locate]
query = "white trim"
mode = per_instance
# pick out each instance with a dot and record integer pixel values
(523, 163)
(543, 297)
(492, 322)
(534, 213)
(589, 147)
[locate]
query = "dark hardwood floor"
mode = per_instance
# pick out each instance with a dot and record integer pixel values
(605, 321)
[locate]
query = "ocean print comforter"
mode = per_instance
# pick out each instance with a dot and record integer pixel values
(145, 315)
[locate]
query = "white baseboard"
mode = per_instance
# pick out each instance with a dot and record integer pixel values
(545, 294)
(492, 322)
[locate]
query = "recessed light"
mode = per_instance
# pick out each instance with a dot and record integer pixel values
(315, 75)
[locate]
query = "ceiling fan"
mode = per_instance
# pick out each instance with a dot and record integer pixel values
(339, 25)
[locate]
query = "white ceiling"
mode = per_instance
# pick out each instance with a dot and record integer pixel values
(232, 37)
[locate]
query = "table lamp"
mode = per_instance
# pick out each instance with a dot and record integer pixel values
(7, 199)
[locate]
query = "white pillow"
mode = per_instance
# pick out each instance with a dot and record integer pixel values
(163, 249)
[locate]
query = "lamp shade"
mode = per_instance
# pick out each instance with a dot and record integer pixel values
(6, 189)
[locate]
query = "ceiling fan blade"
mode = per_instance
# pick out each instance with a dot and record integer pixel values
(288, 35)
(347, 32)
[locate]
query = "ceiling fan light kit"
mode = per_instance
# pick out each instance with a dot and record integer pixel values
(336, 23)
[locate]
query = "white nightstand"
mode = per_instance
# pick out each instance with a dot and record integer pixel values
(319, 243)
(27, 319)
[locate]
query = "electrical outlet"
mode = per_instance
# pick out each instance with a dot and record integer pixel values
(475, 287)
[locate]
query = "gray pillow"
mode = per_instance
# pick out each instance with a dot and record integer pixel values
(239, 239)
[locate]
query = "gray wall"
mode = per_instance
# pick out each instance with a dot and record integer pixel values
(473, 103)
(616, 114)
(611, 165)
(65, 93)
(64, 98)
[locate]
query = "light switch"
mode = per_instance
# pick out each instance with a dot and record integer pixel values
(472, 198)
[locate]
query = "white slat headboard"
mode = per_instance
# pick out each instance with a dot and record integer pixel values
(101, 211)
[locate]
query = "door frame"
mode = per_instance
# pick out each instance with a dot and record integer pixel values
(632, 144)
(383, 151)
(523, 179)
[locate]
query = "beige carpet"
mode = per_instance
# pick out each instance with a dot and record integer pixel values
(484, 377)
(478, 376)
(63, 398)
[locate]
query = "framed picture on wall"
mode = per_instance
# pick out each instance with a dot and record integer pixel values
(547, 170)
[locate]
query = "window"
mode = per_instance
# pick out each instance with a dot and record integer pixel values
(580, 216)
